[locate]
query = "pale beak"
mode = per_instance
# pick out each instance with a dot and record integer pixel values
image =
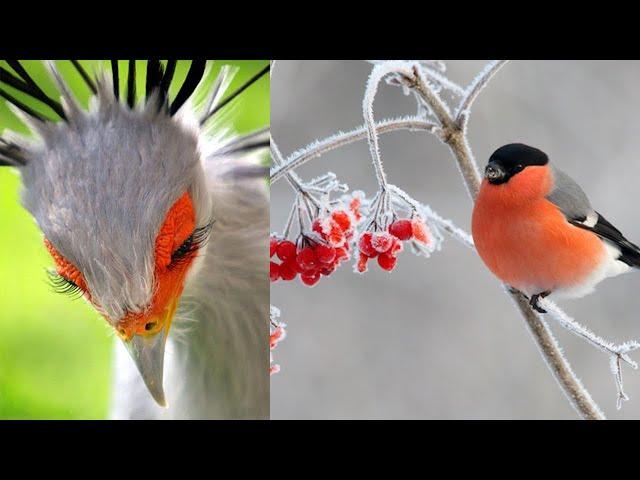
(147, 352)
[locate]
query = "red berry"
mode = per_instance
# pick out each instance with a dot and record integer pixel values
(310, 279)
(396, 247)
(273, 244)
(325, 254)
(354, 206)
(381, 242)
(274, 271)
(365, 245)
(334, 232)
(307, 259)
(286, 250)
(387, 262)
(328, 270)
(293, 264)
(276, 337)
(362, 263)
(316, 226)
(341, 254)
(420, 231)
(401, 229)
(342, 218)
(287, 272)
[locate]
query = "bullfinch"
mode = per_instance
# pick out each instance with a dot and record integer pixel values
(535, 229)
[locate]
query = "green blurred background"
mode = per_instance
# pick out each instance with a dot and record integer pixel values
(55, 353)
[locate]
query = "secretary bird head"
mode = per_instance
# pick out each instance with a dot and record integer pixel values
(118, 191)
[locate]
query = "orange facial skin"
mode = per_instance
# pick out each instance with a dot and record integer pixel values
(169, 278)
(526, 241)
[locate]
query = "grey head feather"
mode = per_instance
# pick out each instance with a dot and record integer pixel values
(99, 188)
(99, 184)
(69, 102)
(569, 198)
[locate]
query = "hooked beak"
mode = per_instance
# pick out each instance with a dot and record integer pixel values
(147, 352)
(494, 172)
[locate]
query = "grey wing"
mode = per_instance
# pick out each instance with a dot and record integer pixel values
(570, 199)
(573, 202)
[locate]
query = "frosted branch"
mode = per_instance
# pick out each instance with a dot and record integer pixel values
(617, 353)
(474, 89)
(418, 82)
(448, 226)
(340, 139)
(294, 180)
(578, 396)
(377, 74)
(274, 315)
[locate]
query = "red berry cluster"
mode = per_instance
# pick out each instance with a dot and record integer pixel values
(314, 257)
(385, 246)
(275, 337)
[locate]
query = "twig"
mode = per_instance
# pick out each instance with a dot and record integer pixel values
(379, 72)
(474, 89)
(617, 353)
(294, 180)
(317, 149)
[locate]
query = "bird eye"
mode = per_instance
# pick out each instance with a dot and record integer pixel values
(149, 326)
(519, 167)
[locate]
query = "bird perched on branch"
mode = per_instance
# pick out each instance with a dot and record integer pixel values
(535, 229)
(160, 221)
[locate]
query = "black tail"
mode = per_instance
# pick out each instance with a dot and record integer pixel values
(629, 252)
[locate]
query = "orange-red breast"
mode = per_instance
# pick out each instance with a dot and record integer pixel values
(535, 229)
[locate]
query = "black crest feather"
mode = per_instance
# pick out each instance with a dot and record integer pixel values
(155, 76)
(116, 79)
(167, 78)
(26, 85)
(11, 154)
(194, 76)
(131, 84)
(85, 76)
(235, 93)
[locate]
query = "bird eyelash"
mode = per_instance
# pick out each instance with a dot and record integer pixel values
(63, 285)
(195, 242)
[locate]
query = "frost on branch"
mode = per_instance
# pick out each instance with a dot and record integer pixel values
(320, 147)
(617, 353)
(392, 219)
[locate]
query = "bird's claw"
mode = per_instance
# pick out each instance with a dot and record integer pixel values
(533, 301)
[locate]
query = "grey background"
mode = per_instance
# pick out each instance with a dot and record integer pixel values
(437, 338)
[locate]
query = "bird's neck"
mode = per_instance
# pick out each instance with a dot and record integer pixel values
(217, 360)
